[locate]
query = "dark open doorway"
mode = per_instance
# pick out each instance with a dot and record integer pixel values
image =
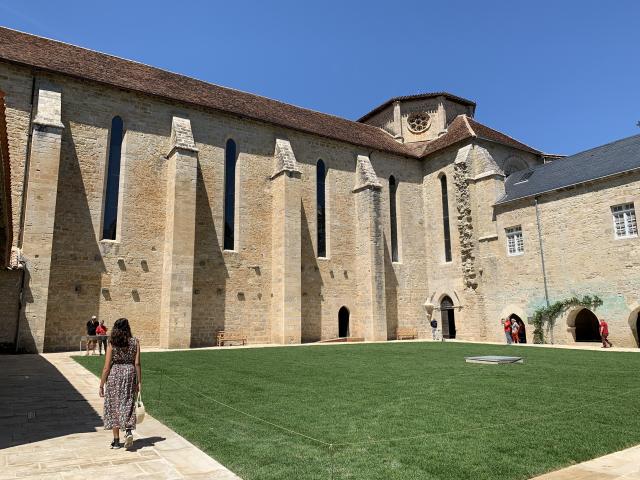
(447, 317)
(522, 330)
(587, 326)
(638, 329)
(343, 322)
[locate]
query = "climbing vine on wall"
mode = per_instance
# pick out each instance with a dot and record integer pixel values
(544, 318)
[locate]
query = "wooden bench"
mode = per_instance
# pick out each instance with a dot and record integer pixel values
(230, 336)
(406, 333)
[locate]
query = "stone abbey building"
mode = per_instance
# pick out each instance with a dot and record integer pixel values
(190, 208)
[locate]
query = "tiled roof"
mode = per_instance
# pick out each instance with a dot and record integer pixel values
(419, 96)
(600, 162)
(464, 128)
(5, 187)
(54, 56)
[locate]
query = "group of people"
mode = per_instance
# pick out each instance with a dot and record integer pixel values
(121, 379)
(514, 330)
(96, 335)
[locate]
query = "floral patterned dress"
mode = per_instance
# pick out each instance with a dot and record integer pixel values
(120, 391)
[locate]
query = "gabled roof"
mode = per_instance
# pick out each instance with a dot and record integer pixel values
(419, 96)
(598, 163)
(6, 221)
(53, 56)
(464, 128)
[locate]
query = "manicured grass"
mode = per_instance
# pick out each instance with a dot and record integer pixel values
(396, 410)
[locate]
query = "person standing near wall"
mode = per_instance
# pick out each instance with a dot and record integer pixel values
(434, 329)
(604, 333)
(101, 331)
(506, 324)
(92, 325)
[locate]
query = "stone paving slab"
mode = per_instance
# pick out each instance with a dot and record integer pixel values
(622, 465)
(54, 430)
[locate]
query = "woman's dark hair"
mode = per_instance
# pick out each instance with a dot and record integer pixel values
(121, 333)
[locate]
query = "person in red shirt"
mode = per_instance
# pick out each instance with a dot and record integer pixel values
(604, 333)
(507, 330)
(101, 330)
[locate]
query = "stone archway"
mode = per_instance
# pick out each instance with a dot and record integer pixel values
(343, 322)
(447, 317)
(587, 327)
(522, 329)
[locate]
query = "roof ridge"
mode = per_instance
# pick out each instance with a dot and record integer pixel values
(567, 157)
(182, 75)
(502, 133)
(257, 112)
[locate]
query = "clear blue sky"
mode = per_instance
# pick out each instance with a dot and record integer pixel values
(562, 76)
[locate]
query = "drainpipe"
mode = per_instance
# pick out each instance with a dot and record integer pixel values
(544, 270)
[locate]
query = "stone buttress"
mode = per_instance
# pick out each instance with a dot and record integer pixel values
(286, 283)
(179, 237)
(40, 208)
(371, 322)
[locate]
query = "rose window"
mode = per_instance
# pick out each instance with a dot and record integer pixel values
(419, 122)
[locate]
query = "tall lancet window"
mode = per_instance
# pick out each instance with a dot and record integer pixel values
(110, 214)
(445, 219)
(321, 173)
(230, 155)
(393, 188)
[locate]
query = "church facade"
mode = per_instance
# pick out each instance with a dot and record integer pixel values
(191, 209)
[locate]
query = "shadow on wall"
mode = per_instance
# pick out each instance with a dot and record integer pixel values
(311, 285)
(391, 285)
(210, 273)
(76, 261)
(40, 402)
(10, 282)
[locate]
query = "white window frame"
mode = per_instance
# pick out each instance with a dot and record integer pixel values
(625, 224)
(515, 241)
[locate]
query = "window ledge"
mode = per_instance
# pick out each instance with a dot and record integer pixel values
(626, 237)
(324, 259)
(488, 238)
(515, 254)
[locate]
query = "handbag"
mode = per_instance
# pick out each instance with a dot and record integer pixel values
(140, 411)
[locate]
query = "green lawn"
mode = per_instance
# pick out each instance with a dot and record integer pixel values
(396, 410)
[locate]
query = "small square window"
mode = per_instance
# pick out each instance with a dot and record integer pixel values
(515, 241)
(624, 221)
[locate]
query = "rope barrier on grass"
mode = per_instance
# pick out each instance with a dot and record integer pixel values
(484, 427)
(280, 427)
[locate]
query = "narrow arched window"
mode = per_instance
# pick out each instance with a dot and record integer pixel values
(321, 173)
(393, 188)
(230, 154)
(445, 219)
(110, 217)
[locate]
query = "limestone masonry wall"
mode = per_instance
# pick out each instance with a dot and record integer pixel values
(167, 270)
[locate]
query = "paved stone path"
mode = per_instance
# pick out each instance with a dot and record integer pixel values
(622, 465)
(50, 429)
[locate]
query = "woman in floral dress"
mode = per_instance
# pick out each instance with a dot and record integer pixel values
(122, 376)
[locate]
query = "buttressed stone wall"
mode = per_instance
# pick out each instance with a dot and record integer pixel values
(168, 271)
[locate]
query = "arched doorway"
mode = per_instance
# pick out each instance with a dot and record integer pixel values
(448, 318)
(343, 322)
(587, 326)
(522, 330)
